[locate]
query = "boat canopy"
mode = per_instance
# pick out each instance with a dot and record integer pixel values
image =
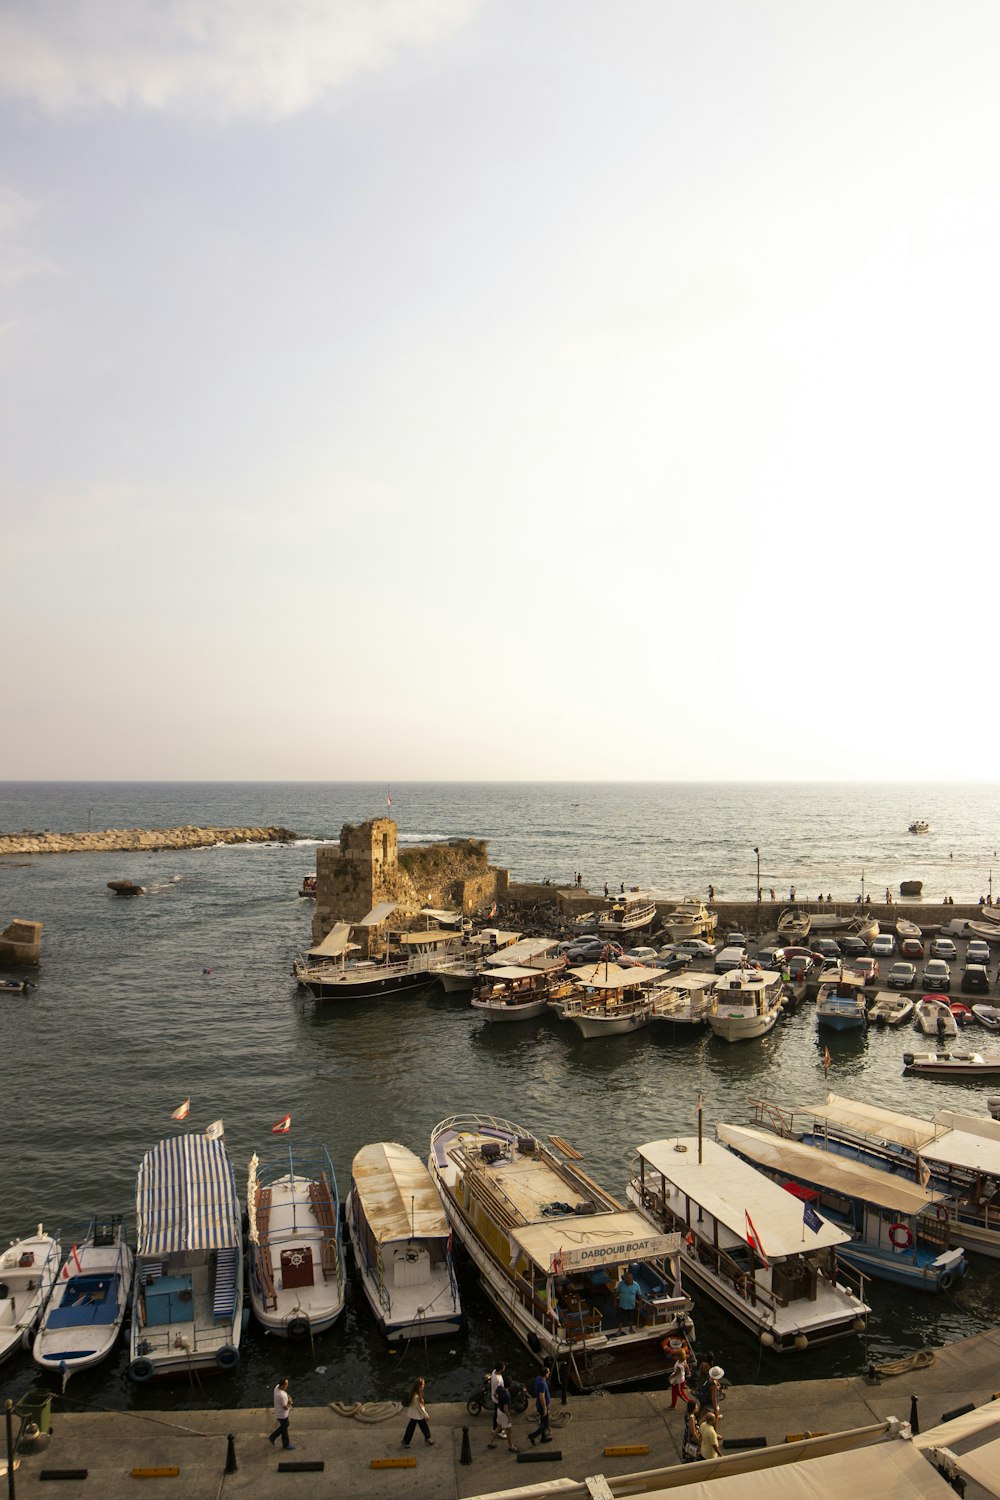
(377, 915)
(421, 937)
(573, 1242)
(730, 1189)
(839, 1174)
(602, 976)
(441, 917)
(334, 944)
(397, 1194)
(517, 953)
(868, 1119)
(515, 971)
(689, 981)
(185, 1197)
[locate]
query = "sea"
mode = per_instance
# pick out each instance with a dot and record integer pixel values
(187, 992)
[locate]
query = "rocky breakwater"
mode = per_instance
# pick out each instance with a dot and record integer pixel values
(122, 840)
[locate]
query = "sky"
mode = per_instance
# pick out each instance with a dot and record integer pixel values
(498, 389)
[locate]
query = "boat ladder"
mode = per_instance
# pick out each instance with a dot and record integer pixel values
(224, 1304)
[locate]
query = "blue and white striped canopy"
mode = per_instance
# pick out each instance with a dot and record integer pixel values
(185, 1197)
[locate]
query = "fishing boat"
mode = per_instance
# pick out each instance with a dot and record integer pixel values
(295, 1248)
(402, 1244)
(919, 825)
(521, 992)
(630, 912)
(840, 1003)
(746, 1246)
(682, 1000)
(896, 1234)
(793, 926)
(988, 1016)
(14, 986)
(862, 926)
(28, 1270)
(952, 1064)
(608, 1000)
(746, 1003)
(932, 1015)
(906, 929)
(890, 1009)
(550, 1247)
(187, 1301)
(85, 1313)
(690, 918)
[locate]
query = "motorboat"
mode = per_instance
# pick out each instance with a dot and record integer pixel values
(550, 1246)
(746, 1003)
(932, 1015)
(459, 975)
(746, 1246)
(187, 1300)
(28, 1269)
(793, 926)
(15, 986)
(630, 912)
(295, 1250)
(890, 1008)
(308, 886)
(410, 960)
(907, 929)
(608, 1000)
(690, 918)
(952, 1064)
(682, 1000)
(963, 1015)
(522, 992)
(988, 1016)
(401, 1240)
(840, 1003)
(919, 825)
(84, 1315)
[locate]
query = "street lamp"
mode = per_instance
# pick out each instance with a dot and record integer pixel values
(757, 852)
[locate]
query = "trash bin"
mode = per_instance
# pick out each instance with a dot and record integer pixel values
(36, 1406)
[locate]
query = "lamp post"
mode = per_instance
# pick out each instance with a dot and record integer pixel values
(757, 852)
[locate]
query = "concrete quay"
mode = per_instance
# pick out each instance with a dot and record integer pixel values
(110, 1445)
(127, 840)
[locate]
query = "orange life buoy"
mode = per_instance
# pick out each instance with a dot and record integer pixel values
(901, 1236)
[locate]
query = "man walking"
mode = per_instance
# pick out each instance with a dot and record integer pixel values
(282, 1407)
(542, 1398)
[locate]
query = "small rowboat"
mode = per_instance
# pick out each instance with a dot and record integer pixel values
(890, 1010)
(905, 929)
(952, 1064)
(14, 986)
(988, 1016)
(963, 1015)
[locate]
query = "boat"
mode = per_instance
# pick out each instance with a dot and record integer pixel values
(919, 825)
(984, 930)
(458, 975)
(895, 1232)
(15, 986)
(607, 1000)
(630, 912)
(864, 927)
(932, 1015)
(906, 929)
(550, 1246)
(295, 1250)
(793, 926)
(952, 1064)
(126, 888)
(187, 1300)
(746, 1246)
(963, 1015)
(690, 918)
(402, 1244)
(522, 992)
(28, 1270)
(988, 1016)
(683, 1000)
(746, 1003)
(993, 1105)
(308, 886)
(84, 1315)
(890, 1008)
(840, 1003)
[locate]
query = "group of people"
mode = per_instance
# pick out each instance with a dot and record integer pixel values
(702, 1415)
(502, 1422)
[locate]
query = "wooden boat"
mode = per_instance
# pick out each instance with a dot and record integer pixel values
(890, 1009)
(84, 1316)
(952, 1064)
(295, 1248)
(627, 913)
(932, 1015)
(840, 1003)
(682, 1000)
(690, 918)
(125, 888)
(919, 825)
(550, 1246)
(746, 1004)
(187, 1301)
(864, 927)
(745, 1244)
(988, 1016)
(14, 986)
(522, 992)
(459, 975)
(987, 931)
(907, 929)
(608, 1000)
(28, 1270)
(402, 1244)
(793, 926)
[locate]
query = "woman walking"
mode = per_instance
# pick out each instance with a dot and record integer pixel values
(691, 1445)
(678, 1380)
(417, 1413)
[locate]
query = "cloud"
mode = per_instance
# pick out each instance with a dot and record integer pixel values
(267, 58)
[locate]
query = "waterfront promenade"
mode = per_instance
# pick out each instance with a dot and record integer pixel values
(110, 1445)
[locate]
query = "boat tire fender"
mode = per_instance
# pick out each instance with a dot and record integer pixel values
(141, 1370)
(946, 1281)
(901, 1236)
(297, 1328)
(228, 1357)
(942, 1213)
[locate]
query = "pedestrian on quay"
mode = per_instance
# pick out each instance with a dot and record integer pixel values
(606, 888)
(691, 1442)
(504, 1425)
(710, 1445)
(417, 1413)
(772, 892)
(282, 1409)
(543, 1396)
(708, 1391)
(496, 1385)
(678, 1381)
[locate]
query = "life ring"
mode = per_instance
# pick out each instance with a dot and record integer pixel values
(901, 1236)
(228, 1357)
(942, 1213)
(297, 1328)
(141, 1370)
(946, 1280)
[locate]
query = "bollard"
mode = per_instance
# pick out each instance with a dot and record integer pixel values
(466, 1457)
(914, 1424)
(231, 1464)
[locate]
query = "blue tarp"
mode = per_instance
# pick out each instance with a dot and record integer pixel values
(186, 1197)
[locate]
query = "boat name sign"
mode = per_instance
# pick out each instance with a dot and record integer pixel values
(575, 1257)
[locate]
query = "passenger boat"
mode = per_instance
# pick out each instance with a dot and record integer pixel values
(295, 1247)
(793, 926)
(402, 1244)
(458, 975)
(690, 918)
(608, 1000)
(952, 1064)
(746, 1245)
(85, 1313)
(896, 1234)
(988, 1016)
(840, 1003)
(187, 1301)
(522, 992)
(550, 1247)
(919, 825)
(627, 913)
(28, 1270)
(746, 1003)
(932, 1015)
(905, 929)
(682, 1000)
(890, 1009)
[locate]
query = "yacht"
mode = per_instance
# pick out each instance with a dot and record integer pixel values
(630, 912)
(690, 918)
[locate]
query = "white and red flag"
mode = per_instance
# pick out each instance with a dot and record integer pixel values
(283, 1126)
(753, 1240)
(215, 1131)
(182, 1111)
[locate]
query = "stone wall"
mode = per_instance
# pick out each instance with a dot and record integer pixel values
(125, 840)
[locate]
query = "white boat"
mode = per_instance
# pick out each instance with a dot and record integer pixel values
(988, 1016)
(459, 975)
(608, 1000)
(85, 1313)
(187, 1301)
(933, 1017)
(521, 992)
(746, 1003)
(630, 912)
(952, 1064)
(28, 1270)
(793, 927)
(550, 1247)
(690, 918)
(905, 929)
(682, 1000)
(746, 1245)
(993, 1105)
(890, 1009)
(402, 1244)
(295, 1249)
(840, 1003)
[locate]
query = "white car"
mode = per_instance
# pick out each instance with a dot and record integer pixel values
(640, 955)
(943, 947)
(884, 946)
(697, 947)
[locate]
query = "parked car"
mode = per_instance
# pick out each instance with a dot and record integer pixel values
(828, 948)
(729, 958)
(697, 947)
(670, 961)
(975, 980)
(867, 966)
(978, 952)
(796, 952)
(771, 957)
(902, 976)
(851, 945)
(640, 955)
(884, 946)
(936, 978)
(911, 948)
(943, 947)
(800, 966)
(736, 940)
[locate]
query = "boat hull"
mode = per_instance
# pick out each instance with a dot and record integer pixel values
(742, 1028)
(530, 1010)
(27, 1284)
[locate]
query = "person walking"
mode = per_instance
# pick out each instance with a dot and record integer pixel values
(678, 1380)
(710, 1446)
(542, 1398)
(282, 1408)
(504, 1425)
(496, 1384)
(691, 1444)
(708, 1391)
(417, 1413)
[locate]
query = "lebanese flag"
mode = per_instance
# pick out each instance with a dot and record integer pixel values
(753, 1240)
(827, 1059)
(283, 1126)
(182, 1111)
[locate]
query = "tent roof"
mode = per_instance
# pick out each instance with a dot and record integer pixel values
(602, 976)
(397, 1193)
(516, 953)
(968, 1141)
(378, 915)
(185, 1197)
(334, 943)
(827, 1170)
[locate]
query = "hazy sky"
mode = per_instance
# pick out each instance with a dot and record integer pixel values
(403, 389)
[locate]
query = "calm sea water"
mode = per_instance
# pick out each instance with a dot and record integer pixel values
(187, 991)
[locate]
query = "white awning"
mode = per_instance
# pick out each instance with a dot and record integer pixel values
(869, 1119)
(517, 953)
(576, 1241)
(891, 1470)
(378, 915)
(512, 971)
(397, 1194)
(973, 1144)
(602, 976)
(334, 943)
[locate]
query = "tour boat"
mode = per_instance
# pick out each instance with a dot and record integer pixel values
(746, 1003)
(793, 926)
(890, 1009)
(746, 1244)
(550, 1247)
(521, 992)
(690, 918)
(402, 1244)
(187, 1302)
(608, 1000)
(86, 1310)
(28, 1270)
(840, 1003)
(458, 975)
(952, 1064)
(627, 913)
(295, 1247)
(932, 1015)
(683, 1000)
